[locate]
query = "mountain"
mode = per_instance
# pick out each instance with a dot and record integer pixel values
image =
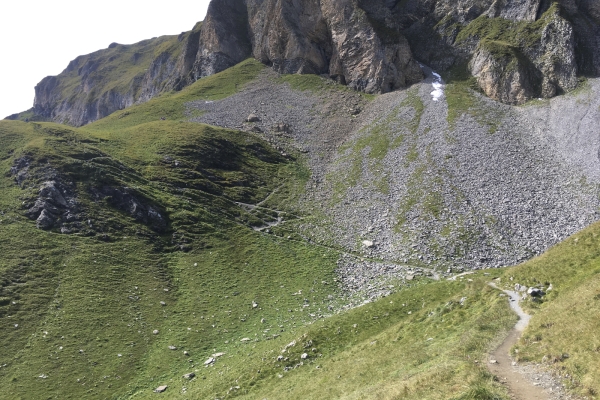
(308, 200)
(515, 50)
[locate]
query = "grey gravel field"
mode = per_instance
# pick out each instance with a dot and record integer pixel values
(398, 184)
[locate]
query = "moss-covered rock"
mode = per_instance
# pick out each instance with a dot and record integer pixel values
(504, 73)
(517, 61)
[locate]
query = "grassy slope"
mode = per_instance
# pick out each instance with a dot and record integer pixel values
(86, 308)
(563, 335)
(564, 329)
(171, 105)
(104, 298)
(418, 343)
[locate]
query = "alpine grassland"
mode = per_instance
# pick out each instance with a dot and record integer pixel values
(227, 299)
(90, 303)
(563, 333)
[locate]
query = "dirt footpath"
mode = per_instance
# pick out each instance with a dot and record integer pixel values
(524, 382)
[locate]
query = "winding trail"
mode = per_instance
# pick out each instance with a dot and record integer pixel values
(519, 387)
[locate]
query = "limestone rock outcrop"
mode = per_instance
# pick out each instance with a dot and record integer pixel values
(516, 73)
(355, 42)
(517, 49)
(224, 39)
(504, 74)
(98, 84)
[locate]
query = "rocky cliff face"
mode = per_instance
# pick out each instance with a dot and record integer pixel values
(516, 49)
(96, 85)
(542, 66)
(357, 43)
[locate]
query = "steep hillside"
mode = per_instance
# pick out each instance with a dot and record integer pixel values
(96, 85)
(114, 309)
(516, 50)
(175, 243)
(563, 332)
(142, 238)
(308, 199)
(459, 182)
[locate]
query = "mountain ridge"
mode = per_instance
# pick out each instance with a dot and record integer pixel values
(516, 51)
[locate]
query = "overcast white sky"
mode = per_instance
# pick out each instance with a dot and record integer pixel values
(39, 37)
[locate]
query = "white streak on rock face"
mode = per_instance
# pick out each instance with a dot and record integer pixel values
(438, 87)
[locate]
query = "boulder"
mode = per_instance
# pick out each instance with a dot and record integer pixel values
(52, 205)
(161, 389)
(52, 194)
(252, 118)
(46, 220)
(211, 360)
(281, 128)
(535, 292)
(520, 288)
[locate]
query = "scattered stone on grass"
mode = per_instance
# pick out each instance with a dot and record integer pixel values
(189, 376)
(160, 389)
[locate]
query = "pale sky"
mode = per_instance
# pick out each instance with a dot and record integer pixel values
(39, 37)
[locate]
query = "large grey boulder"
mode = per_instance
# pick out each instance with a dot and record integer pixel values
(46, 220)
(535, 292)
(51, 205)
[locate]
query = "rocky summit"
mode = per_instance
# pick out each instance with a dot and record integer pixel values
(312, 199)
